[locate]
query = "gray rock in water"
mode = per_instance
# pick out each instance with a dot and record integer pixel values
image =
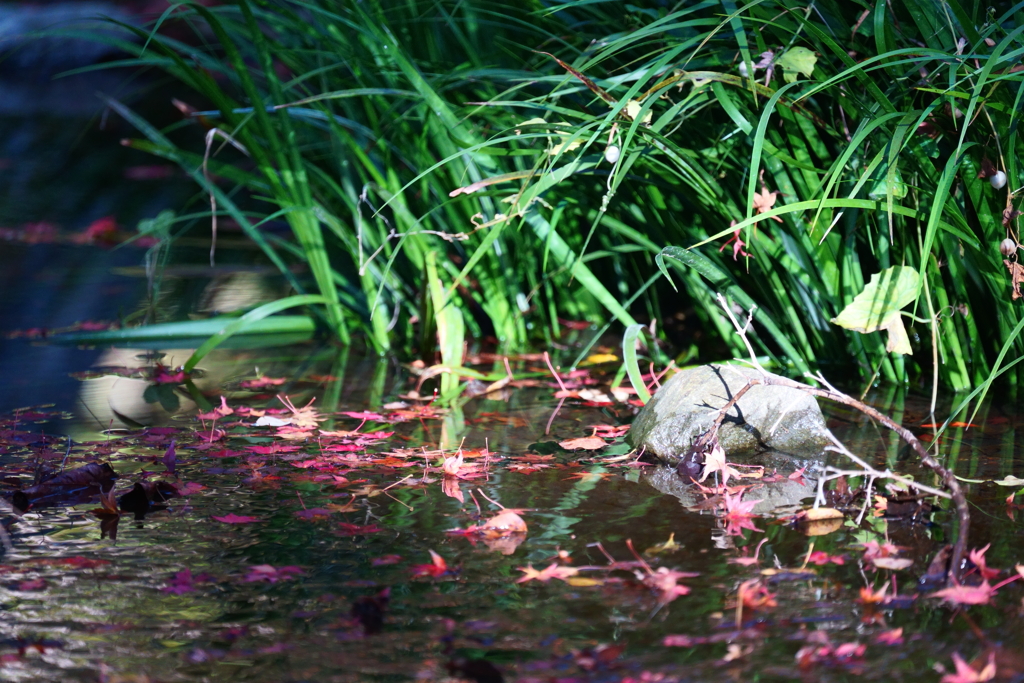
(766, 417)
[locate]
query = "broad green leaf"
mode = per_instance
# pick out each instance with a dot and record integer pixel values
(878, 306)
(633, 108)
(798, 60)
(878, 191)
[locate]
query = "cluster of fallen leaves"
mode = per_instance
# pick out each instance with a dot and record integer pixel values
(294, 446)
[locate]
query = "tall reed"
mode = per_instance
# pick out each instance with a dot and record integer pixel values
(550, 157)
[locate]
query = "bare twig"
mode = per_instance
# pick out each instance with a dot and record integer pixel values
(947, 476)
(210, 135)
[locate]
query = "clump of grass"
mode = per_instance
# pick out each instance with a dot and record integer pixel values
(522, 164)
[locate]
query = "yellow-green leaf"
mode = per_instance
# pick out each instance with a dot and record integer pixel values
(633, 108)
(797, 60)
(878, 306)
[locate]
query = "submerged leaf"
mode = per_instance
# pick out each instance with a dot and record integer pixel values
(506, 522)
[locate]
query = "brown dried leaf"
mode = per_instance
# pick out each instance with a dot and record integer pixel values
(594, 87)
(1016, 277)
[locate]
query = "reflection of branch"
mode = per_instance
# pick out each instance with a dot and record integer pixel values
(832, 394)
(871, 473)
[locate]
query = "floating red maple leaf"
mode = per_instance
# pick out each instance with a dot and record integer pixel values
(754, 595)
(965, 673)
(162, 375)
(553, 571)
(738, 515)
(365, 416)
(873, 550)
(977, 556)
(437, 567)
(966, 595)
(609, 431)
(236, 519)
(737, 244)
(220, 411)
(184, 582)
(272, 449)
(891, 637)
(819, 558)
(266, 572)
(666, 582)
(261, 382)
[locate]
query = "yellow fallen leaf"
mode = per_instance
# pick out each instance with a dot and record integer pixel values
(598, 358)
(581, 581)
(586, 443)
(815, 514)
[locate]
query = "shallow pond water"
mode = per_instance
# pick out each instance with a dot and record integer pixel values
(271, 564)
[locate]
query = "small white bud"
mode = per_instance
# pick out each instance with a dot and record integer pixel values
(998, 180)
(611, 153)
(743, 70)
(1007, 247)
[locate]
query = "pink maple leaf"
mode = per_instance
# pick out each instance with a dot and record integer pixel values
(271, 574)
(220, 411)
(891, 637)
(261, 382)
(437, 567)
(738, 515)
(236, 519)
(364, 415)
(666, 582)
(737, 244)
(977, 556)
(163, 376)
(965, 673)
(966, 595)
(188, 488)
(184, 582)
(819, 557)
(553, 571)
(872, 550)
